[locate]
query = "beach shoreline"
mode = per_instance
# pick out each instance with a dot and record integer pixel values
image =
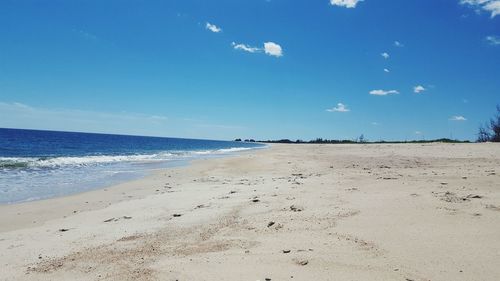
(66, 163)
(41, 210)
(307, 212)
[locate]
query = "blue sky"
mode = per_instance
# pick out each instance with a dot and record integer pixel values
(263, 69)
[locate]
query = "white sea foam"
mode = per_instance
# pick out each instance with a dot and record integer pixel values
(222, 151)
(95, 160)
(71, 161)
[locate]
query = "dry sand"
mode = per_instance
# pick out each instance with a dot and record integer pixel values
(290, 212)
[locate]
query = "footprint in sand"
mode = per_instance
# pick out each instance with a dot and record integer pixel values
(296, 208)
(117, 219)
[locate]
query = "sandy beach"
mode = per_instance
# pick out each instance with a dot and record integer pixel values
(289, 212)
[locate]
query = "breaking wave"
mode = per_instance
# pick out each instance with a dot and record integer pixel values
(96, 160)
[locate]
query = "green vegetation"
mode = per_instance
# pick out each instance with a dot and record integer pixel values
(491, 131)
(360, 141)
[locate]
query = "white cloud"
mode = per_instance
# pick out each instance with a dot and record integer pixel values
(386, 70)
(270, 48)
(458, 118)
(375, 123)
(245, 48)
(491, 6)
(398, 44)
(383, 92)
(418, 133)
(418, 89)
(213, 27)
(345, 3)
(273, 49)
(340, 108)
(385, 55)
(493, 40)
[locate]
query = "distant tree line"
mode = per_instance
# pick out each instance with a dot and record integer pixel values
(359, 140)
(491, 131)
(247, 140)
(318, 140)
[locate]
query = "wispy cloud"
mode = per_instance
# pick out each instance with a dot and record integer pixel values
(345, 3)
(490, 6)
(457, 118)
(383, 92)
(385, 55)
(18, 105)
(269, 48)
(340, 108)
(246, 48)
(419, 89)
(398, 44)
(273, 49)
(493, 40)
(213, 27)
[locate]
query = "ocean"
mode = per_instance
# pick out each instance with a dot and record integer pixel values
(37, 164)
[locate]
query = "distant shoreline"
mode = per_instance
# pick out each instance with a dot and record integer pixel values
(333, 141)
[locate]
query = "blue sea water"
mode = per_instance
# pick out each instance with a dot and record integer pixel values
(42, 164)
